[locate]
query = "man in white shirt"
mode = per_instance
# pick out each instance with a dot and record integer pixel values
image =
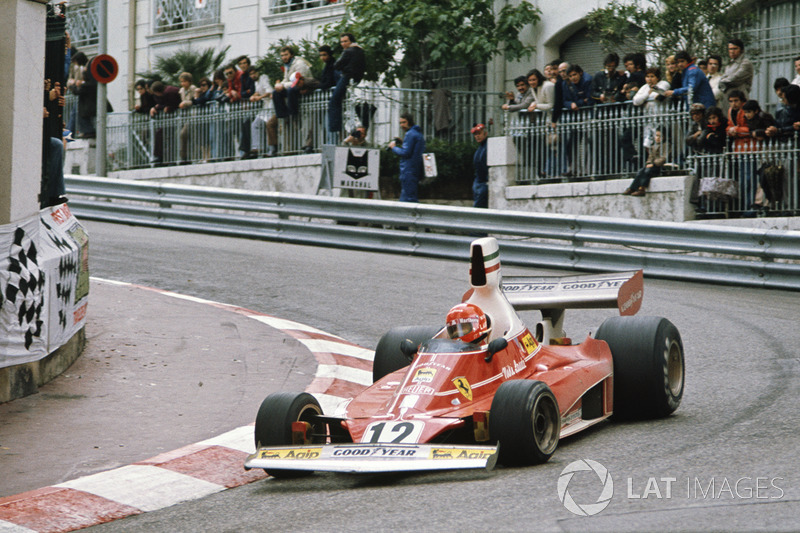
(263, 92)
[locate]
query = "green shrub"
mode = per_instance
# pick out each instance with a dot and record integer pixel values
(454, 166)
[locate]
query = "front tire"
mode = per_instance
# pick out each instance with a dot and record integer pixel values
(648, 365)
(274, 423)
(389, 357)
(526, 421)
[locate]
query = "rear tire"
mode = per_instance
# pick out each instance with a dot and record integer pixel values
(648, 365)
(274, 423)
(389, 357)
(526, 421)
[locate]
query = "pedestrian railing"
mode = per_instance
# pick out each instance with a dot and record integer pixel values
(685, 251)
(597, 142)
(764, 177)
(224, 131)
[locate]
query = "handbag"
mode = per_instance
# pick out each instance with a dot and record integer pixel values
(719, 188)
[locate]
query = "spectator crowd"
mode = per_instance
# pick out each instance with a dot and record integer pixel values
(723, 117)
(714, 92)
(241, 86)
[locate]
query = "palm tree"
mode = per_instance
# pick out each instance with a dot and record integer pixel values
(198, 64)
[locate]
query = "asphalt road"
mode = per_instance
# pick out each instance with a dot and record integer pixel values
(727, 459)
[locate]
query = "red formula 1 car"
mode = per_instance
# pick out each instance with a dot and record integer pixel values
(441, 403)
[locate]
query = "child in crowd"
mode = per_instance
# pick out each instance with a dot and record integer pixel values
(656, 157)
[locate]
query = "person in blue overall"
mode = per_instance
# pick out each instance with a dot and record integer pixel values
(410, 151)
(480, 187)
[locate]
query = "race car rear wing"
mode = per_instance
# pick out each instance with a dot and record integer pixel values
(552, 295)
(622, 290)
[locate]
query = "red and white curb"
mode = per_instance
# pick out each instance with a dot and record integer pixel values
(196, 470)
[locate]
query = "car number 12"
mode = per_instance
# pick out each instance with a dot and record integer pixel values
(393, 432)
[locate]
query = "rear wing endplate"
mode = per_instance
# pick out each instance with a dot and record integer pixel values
(623, 290)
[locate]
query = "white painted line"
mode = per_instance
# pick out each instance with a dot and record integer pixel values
(240, 439)
(8, 527)
(109, 281)
(145, 487)
(319, 345)
(283, 324)
(346, 373)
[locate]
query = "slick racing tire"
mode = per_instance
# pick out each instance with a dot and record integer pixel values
(274, 423)
(389, 357)
(648, 365)
(525, 420)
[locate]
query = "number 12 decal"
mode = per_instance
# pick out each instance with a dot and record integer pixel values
(393, 432)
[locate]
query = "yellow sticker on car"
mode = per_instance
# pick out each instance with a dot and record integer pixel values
(529, 343)
(295, 453)
(460, 453)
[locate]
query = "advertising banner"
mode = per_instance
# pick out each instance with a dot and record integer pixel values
(44, 284)
(356, 168)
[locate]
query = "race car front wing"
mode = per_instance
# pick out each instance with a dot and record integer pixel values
(373, 458)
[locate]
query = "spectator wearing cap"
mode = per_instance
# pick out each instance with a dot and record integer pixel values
(480, 186)
(692, 139)
(698, 114)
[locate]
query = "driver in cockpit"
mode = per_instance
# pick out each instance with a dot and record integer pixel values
(468, 323)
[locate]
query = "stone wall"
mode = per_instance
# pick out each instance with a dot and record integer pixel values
(292, 174)
(667, 197)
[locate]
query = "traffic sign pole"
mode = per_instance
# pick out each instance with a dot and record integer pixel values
(102, 46)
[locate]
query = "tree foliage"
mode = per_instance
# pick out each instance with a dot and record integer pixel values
(700, 27)
(413, 37)
(197, 63)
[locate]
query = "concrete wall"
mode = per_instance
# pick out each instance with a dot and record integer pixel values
(292, 174)
(667, 198)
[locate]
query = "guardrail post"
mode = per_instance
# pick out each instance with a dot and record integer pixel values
(501, 157)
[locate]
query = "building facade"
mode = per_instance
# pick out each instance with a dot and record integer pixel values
(139, 31)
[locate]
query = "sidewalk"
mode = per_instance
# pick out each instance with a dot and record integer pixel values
(159, 373)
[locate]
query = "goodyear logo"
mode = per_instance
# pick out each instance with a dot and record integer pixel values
(460, 453)
(298, 453)
(424, 375)
(529, 343)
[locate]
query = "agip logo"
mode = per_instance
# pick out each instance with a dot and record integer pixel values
(606, 492)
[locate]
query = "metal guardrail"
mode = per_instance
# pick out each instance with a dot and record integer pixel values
(683, 251)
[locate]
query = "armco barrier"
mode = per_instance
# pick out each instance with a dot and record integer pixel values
(684, 251)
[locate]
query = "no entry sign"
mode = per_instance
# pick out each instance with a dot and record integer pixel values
(104, 68)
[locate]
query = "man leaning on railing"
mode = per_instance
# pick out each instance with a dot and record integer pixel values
(167, 100)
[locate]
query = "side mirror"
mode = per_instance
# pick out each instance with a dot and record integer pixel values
(495, 346)
(408, 348)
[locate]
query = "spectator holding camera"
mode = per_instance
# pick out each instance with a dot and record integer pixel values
(410, 150)
(607, 84)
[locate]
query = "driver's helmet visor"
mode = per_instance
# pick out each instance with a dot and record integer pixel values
(459, 329)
